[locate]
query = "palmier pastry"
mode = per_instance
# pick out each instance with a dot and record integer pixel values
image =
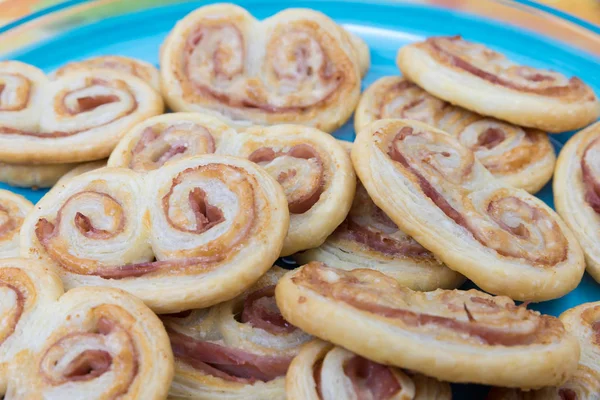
(583, 322)
(323, 371)
(452, 335)
(191, 234)
(577, 192)
(316, 175)
(169, 137)
(93, 343)
(313, 169)
(482, 80)
(13, 210)
(520, 157)
(78, 117)
(503, 239)
(142, 69)
(240, 349)
(25, 286)
(80, 169)
(297, 66)
(369, 239)
(30, 175)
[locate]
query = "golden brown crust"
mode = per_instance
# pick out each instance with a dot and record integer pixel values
(369, 239)
(323, 371)
(576, 181)
(314, 170)
(458, 336)
(520, 157)
(13, 210)
(201, 229)
(295, 67)
(498, 87)
(582, 321)
(141, 69)
(504, 239)
(240, 349)
(80, 116)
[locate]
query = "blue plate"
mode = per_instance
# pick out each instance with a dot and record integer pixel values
(386, 26)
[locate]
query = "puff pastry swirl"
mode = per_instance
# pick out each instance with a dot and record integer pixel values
(503, 239)
(13, 210)
(78, 117)
(369, 239)
(311, 166)
(577, 192)
(25, 286)
(520, 157)
(93, 343)
(240, 349)
(297, 66)
(582, 321)
(456, 336)
(141, 69)
(196, 232)
(497, 86)
(323, 371)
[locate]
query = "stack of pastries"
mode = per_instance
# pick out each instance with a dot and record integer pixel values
(151, 275)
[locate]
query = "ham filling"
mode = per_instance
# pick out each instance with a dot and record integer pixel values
(237, 365)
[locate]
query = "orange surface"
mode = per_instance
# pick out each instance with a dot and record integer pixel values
(586, 9)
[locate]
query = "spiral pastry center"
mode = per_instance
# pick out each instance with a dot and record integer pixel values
(590, 170)
(299, 170)
(502, 222)
(161, 143)
(15, 92)
(105, 352)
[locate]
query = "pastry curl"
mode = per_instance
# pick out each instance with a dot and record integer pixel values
(369, 239)
(78, 117)
(582, 321)
(202, 229)
(576, 188)
(141, 69)
(25, 287)
(240, 349)
(323, 371)
(504, 239)
(93, 343)
(297, 66)
(456, 336)
(314, 170)
(498, 87)
(13, 210)
(520, 157)
(150, 144)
